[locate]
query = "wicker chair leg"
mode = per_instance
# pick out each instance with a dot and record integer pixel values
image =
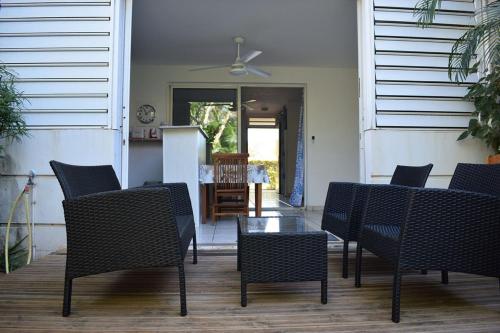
(324, 291)
(396, 296)
(182, 289)
(444, 277)
(359, 254)
(195, 250)
(68, 286)
(345, 260)
(243, 292)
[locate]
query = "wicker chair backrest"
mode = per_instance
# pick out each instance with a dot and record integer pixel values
(414, 176)
(78, 180)
(480, 178)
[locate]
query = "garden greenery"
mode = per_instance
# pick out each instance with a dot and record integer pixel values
(12, 125)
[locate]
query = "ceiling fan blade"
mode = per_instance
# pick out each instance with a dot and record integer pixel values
(207, 68)
(247, 107)
(257, 71)
(250, 55)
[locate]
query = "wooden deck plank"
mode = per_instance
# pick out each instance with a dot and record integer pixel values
(148, 301)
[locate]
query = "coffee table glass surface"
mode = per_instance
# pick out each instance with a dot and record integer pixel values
(281, 224)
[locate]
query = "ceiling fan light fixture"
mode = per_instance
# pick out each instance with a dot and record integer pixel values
(238, 70)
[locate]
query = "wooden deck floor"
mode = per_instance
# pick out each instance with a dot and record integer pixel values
(147, 301)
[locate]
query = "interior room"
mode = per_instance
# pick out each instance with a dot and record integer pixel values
(305, 68)
(270, 133)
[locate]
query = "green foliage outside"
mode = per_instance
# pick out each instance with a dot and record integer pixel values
(219, 122)
(480, 46)
(272, 171)
(12, 125)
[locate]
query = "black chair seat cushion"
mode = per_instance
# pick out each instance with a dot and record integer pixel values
(382, 240)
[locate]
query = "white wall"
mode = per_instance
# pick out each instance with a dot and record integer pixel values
(388, 134)
(331, 116)
(386, 148)
(73, 146)
(73, 85)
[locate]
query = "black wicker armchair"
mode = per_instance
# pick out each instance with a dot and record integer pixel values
(345, 203)
(457, 229)
(109, 229)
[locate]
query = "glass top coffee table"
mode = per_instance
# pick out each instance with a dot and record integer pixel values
(281, 249)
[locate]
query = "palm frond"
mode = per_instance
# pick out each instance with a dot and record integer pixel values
(426, 11)
(484, 36)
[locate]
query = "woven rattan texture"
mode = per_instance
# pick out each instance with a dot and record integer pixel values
(283, 257)
(78, 180)
(110, 229)
(480, 178)
(449, 230)
(120, 230)
(453, 231)
(413, 176)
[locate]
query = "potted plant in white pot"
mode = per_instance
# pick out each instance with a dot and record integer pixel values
(479, 46)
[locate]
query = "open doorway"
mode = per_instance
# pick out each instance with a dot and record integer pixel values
(214, 110)
(272, 135)
(173, 39)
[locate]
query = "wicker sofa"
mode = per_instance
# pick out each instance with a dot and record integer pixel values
(110, 229)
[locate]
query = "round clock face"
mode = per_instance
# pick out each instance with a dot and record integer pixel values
(146, 113)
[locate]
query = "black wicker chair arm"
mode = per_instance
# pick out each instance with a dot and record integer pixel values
(121, 229)
(452, 230)
(339, 198)
(180, 197)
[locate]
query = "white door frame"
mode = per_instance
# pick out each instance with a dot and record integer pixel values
(238, 86)
(366, 99)
(366, 85)
(121, 79)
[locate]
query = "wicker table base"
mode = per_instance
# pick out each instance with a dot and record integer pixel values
(280, 249)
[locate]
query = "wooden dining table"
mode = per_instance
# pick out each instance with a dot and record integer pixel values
(256, 174)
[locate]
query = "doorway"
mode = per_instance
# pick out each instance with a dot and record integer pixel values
(272, 135)
(215, 110)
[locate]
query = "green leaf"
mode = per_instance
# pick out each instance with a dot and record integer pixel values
(462, 136)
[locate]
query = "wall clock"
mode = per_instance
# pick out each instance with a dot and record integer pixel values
(146, 113)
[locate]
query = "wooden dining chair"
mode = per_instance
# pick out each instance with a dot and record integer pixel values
(230, 185)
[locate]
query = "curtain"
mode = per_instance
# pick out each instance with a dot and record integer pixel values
(298, 184)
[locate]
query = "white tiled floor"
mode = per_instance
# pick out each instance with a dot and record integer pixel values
(224, 232)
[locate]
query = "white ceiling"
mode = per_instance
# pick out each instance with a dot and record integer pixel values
(271, 98)
(319, 33)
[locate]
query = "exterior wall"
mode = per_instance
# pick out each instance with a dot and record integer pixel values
(331, 116)
(411, 112)
(63, 52)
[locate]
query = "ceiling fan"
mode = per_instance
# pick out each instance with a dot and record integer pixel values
(246, 104)
(240, 65)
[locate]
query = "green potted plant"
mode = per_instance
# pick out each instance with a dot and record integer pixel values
(479, 46)
(12, 125)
